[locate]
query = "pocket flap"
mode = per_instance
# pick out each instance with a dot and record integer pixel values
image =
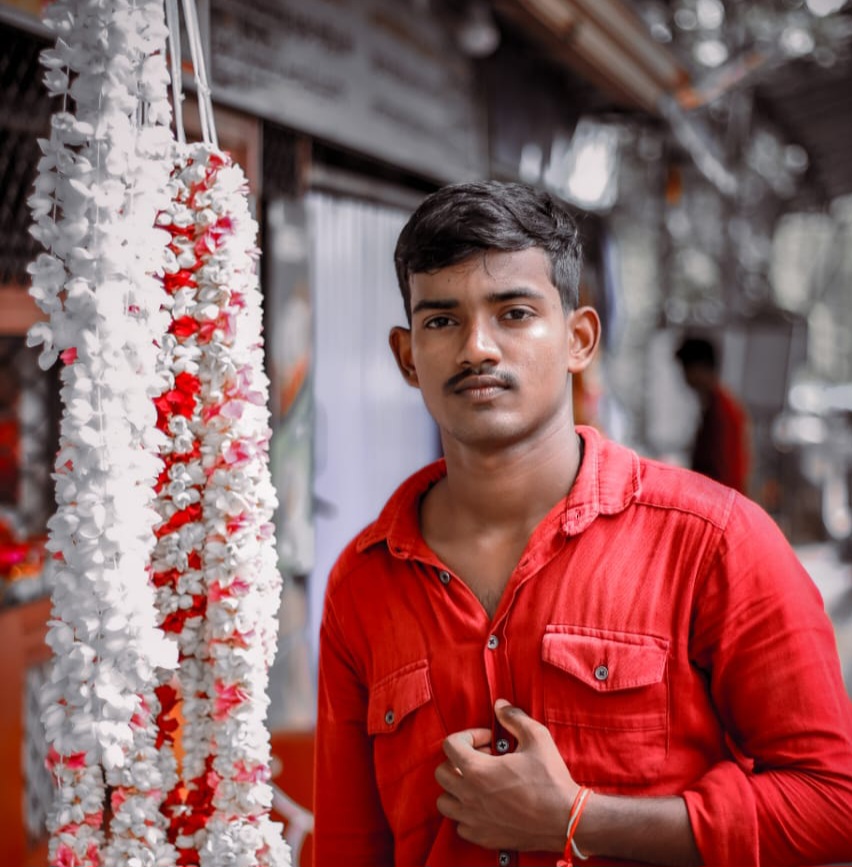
(606, 662)
(397, 695)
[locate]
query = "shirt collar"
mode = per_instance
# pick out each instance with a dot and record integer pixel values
(607, 483)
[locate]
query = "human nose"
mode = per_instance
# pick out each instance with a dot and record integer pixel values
(479, 345)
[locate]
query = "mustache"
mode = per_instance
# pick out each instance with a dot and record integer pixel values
(504, 377)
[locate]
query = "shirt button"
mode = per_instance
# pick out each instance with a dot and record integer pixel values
(502, 746)
(390, 717)
(493, 641)
(504, 859)
(601, 672)
(444, 576)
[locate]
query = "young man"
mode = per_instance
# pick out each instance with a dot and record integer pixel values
(544, 633)
(721, 448)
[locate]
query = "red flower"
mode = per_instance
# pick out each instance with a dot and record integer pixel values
(179, 400)
(169, 578)
(184, 327)
(162, 480)
(184, 457)
(187, 383)
(183, 278)
(210, 412)
(167, 726)
(184, 516)
(175, 621)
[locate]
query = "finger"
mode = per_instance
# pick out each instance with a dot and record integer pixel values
(461, 747)
(449, 806)
(449, 777)
(512, 718)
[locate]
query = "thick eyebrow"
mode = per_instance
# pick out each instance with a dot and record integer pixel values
(492, 298)
(436, 304)
(512, 294)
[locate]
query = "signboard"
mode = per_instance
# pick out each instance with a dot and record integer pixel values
(378, 76)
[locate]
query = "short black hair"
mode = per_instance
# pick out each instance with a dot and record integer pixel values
(460, 220)
(697, 350)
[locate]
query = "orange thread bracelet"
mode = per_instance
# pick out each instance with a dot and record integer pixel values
(580, 801)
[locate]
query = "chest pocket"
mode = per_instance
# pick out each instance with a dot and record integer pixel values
(606, 702)
(405, 725)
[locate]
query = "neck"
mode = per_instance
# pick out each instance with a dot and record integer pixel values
(513, 486)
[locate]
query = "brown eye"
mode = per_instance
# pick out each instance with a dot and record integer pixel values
(438, 322)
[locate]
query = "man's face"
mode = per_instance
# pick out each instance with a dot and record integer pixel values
(490, 348)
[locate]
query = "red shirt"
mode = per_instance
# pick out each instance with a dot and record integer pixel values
(657, 623)
(721, 448)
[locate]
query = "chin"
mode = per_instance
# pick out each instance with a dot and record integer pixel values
(489, 437)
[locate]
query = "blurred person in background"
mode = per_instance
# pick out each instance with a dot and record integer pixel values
(10, 435)
(547, 646)
(720, 449)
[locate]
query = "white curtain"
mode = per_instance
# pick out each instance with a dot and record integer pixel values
(371, 429)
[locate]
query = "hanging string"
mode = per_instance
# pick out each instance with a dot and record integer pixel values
(205, 104)
(173, 24)
(199, 69)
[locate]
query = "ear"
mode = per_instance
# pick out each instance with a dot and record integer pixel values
(585, 334)
(400, 344)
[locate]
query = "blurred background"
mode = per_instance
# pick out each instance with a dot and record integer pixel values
(706, 148)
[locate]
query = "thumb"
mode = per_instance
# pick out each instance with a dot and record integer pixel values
(514, 720)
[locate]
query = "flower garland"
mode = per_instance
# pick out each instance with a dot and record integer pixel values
(171, 447)
(178, 569)
(215, 562)
(102, 178)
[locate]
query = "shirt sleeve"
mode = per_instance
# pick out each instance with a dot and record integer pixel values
(761, 634)
(349, 825)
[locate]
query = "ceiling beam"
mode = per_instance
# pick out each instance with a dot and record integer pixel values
(607, 43)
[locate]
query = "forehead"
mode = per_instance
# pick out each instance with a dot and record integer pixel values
(491, 269)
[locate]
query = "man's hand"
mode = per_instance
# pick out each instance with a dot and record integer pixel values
(517, 801)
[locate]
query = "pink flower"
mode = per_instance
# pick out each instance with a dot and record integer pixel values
(65, 857)
(240, 522)
(95, 820)
(228, 696)
(238, 587)
(117, 799)
(93, 855)
(253, 774)
(216, 592)
(238, 452)
(74, 762)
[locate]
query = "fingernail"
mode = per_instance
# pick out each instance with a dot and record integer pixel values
(501, 703)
